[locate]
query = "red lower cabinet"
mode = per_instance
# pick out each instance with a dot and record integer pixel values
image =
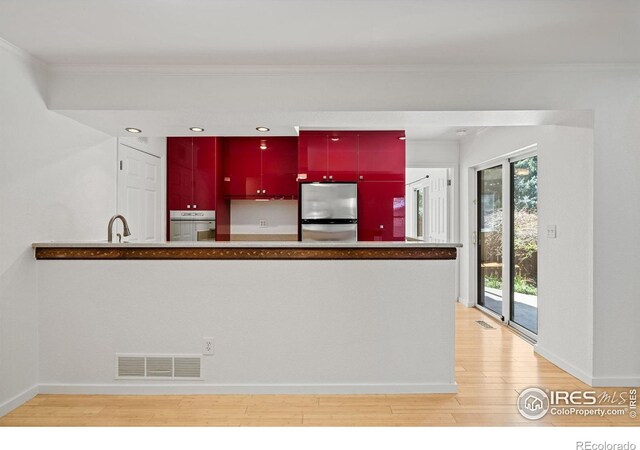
(381, 211)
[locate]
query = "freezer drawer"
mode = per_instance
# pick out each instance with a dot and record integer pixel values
(330, 232)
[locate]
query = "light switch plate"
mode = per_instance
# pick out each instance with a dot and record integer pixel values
(551, 232)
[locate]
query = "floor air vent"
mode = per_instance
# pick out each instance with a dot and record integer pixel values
(484, 324)
(164, 367)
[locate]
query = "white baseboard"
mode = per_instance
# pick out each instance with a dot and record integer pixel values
(466, 302)
(616, 382)
(18, 400)
(567, 367)
(194, 389)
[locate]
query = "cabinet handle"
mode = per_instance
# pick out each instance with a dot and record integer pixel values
(324, 177)
(188, 206)
(195, 206)
(331, 177)
(258, 191)
(381, 227)
(362, 177)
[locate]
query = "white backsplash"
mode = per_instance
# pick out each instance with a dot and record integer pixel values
(279, 216)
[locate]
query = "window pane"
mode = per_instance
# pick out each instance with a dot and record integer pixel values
(490, 239)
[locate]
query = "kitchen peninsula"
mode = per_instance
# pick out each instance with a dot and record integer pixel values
(365, 317)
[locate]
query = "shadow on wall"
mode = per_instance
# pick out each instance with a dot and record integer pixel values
(18, 324)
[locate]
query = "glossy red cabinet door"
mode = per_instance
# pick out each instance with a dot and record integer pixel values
(381, 211)
(381, 156)
(279, 167)
(312, 156)
(342, 156)
(204, 173)
(179, 173)
(242, 163)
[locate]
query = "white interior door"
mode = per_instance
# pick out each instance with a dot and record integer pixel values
(438, 212)
(139, 193)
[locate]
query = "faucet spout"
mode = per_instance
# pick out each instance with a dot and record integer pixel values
(126, 231)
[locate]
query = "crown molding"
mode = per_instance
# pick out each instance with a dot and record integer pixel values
(311, 69)
(14, 49)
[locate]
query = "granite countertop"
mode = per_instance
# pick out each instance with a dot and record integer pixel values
(241, 244)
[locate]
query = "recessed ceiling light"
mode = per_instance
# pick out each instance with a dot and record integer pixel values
(403, 138)
(461, 132)
(262, 129)
(197, 129)
(133, 130)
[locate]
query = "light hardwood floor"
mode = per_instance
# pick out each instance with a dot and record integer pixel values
(492, 367)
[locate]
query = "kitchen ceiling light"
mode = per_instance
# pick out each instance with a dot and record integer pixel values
(197, 129)
(133, 130)
(262, 129)
(403, 138)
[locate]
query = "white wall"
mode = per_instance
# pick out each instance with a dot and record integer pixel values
(278, 326)
(281, 217)
(432, 153)
(57, 181)
(565, 264)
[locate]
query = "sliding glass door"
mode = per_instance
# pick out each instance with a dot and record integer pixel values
(490, 239)
(524, 243)
(507, 242)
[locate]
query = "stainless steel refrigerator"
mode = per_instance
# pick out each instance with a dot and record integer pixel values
(329, 212)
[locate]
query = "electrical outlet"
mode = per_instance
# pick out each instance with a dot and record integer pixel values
(263, 223)
(551, 232)
(207, 346)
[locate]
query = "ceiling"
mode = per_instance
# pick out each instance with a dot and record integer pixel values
(323, 32)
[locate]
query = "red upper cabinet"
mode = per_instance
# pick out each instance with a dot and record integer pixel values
(328, 156)
(312, 156)
(179, 173)
(381, 156)
(342, 156)
(260, 167)
(191, 173)
(279, 166)
(242, 167)
(204, 173)
(381, 211)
